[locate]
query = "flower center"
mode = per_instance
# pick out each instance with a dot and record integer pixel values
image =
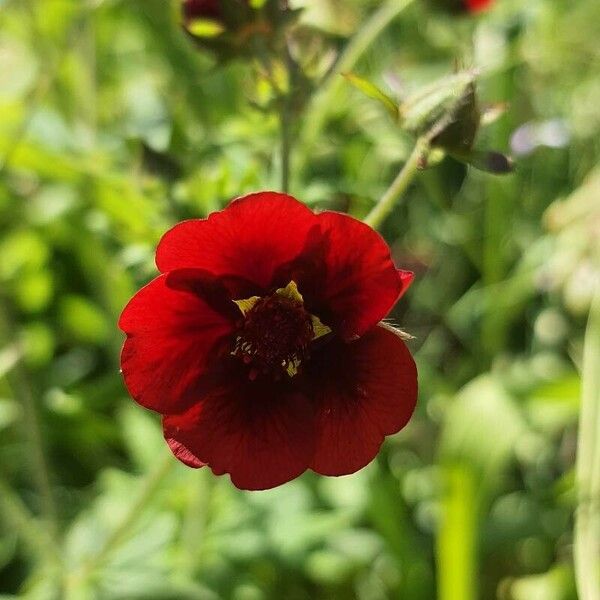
(276, 334)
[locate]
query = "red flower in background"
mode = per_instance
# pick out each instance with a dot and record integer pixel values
(463, 7)
(478, 5)
(203, 9)
(261, 343)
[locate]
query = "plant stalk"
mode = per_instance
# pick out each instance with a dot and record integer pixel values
(456, 547)
(150, 486)
(403, 180)
(18, 516)
(286, 144)
(587, 517)
(18, 381)
(331, 87)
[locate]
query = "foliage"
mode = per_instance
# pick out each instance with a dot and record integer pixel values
(113, 126)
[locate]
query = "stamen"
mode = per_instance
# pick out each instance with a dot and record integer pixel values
(276, 333)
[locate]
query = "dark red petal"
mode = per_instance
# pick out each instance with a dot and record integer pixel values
(183, 453)
(360, 282)
(170, 336)
(261, 434)
(251, 238)
(363, 391)
(406, 278)
(217, 292)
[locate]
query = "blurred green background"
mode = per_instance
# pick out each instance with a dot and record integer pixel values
(113, 127)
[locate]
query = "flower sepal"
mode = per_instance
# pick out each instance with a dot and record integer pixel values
(447, 115)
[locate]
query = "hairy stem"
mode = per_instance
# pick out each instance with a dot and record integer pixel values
(404, 178)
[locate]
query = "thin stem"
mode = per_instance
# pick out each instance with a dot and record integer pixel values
(404, 178)
(18, 380)
(286, 143)
(18, 516)
(587, 519)
(286, 115)
(40, 463)
(150, 486)
(353, 52)
(197, 517)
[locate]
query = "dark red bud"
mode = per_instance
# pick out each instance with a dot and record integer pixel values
(201, 9)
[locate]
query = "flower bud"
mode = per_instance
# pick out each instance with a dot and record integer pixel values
(201, 9)
(447, 115)
(236, 28)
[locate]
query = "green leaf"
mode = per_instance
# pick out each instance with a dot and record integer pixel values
(470, 436)
(555, 405)
(370, 89)
(83, 320)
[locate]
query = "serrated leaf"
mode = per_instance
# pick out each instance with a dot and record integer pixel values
(372, 91)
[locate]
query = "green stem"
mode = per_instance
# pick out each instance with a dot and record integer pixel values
(404, 178)
(286, 117)
(18, 380)
(78, 579)
(456, 548)
(353, 52)
(18, 517)
(197, 517)
(151, 485)
(587, 519)
(286, 142)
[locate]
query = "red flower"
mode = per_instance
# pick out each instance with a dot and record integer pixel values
(461, 6)
(261, 343)
(478, 5)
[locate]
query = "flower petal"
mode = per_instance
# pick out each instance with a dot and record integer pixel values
(260, 433)
(171, 336)
(183, 454)
(250, 238)
(362, 391)
(361, 283)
